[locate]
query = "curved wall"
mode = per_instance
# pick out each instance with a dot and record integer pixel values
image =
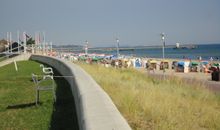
(95, 109)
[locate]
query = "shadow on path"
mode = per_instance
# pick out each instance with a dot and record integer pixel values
(64, 115)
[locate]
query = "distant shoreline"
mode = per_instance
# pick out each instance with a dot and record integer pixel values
(203, 51)
(131, 46)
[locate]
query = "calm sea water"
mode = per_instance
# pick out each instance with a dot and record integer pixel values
(205, 51)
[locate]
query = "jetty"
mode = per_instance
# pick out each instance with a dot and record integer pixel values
(186, 46)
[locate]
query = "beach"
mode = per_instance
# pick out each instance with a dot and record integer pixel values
(198, 71)
(150, 101)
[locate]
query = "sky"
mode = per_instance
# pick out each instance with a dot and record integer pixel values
(100, 22)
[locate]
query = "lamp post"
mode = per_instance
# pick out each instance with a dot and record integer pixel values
(163, 40)
(117, 40)
(86, 47)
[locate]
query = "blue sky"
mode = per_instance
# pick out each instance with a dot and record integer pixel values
(134, 22)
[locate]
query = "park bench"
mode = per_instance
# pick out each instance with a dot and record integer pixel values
(45, 84)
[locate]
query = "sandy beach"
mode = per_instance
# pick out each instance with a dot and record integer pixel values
(152, 66)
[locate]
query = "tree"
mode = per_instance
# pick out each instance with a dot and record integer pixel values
(30, 41)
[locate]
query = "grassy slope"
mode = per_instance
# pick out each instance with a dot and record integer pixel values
(17, 96)
(152, 104)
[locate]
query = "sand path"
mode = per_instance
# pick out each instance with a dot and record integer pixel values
(204, 78)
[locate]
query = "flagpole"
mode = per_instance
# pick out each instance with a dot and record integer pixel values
(35, 40)
(25, 41)
(45, 48)
(38, 42)
(10, 37)
(117, 40)
(18, 41)
(44, 42)
(51, 47)
(7, 42)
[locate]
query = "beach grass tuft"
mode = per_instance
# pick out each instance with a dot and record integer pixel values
(149, 103)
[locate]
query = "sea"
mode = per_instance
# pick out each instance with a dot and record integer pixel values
(205, 51)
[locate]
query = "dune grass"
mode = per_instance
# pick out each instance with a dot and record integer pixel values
(149, 103)
(17, 101)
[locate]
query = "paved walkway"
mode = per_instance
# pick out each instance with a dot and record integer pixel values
(15, 58)
(204, 78)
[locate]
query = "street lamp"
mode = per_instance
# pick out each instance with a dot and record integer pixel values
(86, 47)
(117, 40)
(163, 40)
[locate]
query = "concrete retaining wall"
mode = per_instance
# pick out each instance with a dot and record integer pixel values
(95, 109)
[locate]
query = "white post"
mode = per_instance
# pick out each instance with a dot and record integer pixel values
(16, 67)
(25, 42)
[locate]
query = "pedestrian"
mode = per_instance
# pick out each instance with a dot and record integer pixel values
(200, 58)
(211, 59)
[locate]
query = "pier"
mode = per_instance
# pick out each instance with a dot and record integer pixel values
(81, 49)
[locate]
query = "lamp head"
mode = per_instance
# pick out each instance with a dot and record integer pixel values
(162, 36)
(117, 40)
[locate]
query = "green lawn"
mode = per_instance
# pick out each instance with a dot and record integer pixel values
(149, 103)
(17, 101)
